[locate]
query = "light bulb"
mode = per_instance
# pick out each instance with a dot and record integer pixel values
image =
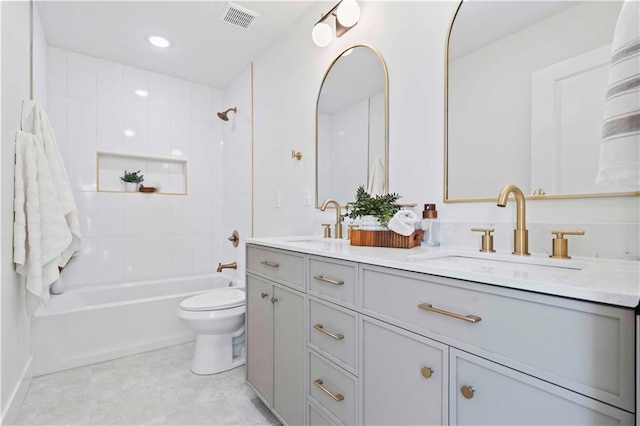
(348, 13)
(322, 34)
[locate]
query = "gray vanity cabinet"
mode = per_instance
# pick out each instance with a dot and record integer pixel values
(404, 377)
(275, 331)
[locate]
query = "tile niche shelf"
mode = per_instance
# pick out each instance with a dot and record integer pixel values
(167, 175)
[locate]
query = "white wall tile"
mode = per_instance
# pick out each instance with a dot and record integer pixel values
(136, 258)
(201, 103)
(201, 139)
(81, 122)
(180, 98)
(217, 177)
(136, 214)
(111, 259)
(203, 254)
(87, 205)
(200, 177)
(160, 264)
(57, 71)
(57, 113)
(202, 214)
(111, 214)
(159, 215)
(136, 119)
(135, 79)
(159, 134)
(181, 215)
(109, 75)
(159, 93)
(109, 127)
(181, 254)
(81, 77)
(81, 166)
(84, 270)
(180, 136)
(217, 214)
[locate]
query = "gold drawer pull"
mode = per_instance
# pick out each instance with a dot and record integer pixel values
(274, 299)
(336, 398)
(427, 372)
(263, 295)
(321, 329)
(469, 318)
(326, 280)
(271, 264)
(467, 391)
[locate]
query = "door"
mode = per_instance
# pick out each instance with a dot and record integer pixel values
(288, 354)
(258, 335)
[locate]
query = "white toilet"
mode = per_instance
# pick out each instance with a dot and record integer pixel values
(218, 318)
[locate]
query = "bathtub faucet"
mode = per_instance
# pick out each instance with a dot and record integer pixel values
(221, 266)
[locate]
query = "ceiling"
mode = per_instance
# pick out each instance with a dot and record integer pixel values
(204, 49)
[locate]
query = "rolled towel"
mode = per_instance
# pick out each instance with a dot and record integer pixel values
(403, 222)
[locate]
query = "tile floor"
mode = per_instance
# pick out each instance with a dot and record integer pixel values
(153, 388)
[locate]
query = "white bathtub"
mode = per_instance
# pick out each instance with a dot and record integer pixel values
(93, 324)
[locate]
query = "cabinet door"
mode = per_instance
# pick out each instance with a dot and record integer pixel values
(486, 393)
(404, 377)
(258, 336)
(288, 355)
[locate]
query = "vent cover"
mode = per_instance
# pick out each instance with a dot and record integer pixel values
(238, 16)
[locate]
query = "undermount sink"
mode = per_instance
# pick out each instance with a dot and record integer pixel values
(499, 261)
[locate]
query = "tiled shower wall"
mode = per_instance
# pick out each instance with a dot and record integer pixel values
(135, 236)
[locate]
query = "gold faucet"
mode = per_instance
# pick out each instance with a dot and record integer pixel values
(520, 234)
(232, 265)
(338, 215)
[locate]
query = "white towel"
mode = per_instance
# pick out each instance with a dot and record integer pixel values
(403, 222)
(620, 146)
(376, 177)
(46, 228)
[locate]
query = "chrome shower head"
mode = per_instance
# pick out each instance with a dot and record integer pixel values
(223, 115)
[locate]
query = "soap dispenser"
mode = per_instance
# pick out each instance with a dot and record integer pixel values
(430, 226)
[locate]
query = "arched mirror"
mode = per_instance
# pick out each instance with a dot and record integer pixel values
(527, 84)
(352, 126)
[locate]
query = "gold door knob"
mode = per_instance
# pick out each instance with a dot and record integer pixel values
(467, 391)
(427, 372)
(263, 295)
(274, 299)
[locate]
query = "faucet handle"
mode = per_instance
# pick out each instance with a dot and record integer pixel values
(560, 246)
(327, 230)
(487, 239)
(350, 228)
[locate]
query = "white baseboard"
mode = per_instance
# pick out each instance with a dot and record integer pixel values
(10, 414)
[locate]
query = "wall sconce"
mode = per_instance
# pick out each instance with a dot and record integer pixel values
(347, 13)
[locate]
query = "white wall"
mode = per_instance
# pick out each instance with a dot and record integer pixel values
(237, 170)
(15, 354)
(411, 38)
(133, 236)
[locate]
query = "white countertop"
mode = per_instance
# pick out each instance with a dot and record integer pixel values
(614, 282)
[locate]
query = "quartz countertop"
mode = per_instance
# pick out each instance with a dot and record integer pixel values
(614, 282)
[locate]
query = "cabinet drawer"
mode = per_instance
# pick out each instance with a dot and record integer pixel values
(285, 267)
(332, 389)
(333, 280)
(317, 417)
(333, 331)
(483, 392)
(583, 346)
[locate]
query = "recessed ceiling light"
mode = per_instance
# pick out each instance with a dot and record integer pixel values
(142, 93)
(129, 133)
(158, 41)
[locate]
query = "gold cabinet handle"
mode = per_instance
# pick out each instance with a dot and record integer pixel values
(336, 398)
(271, 264)
(321, 329)
(263, 295)
(469, 318)
(328, 281)
(427, 372)
(274, 299)
(467, 391)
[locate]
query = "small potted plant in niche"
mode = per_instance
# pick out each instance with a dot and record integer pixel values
(132, 180)
(374, 212)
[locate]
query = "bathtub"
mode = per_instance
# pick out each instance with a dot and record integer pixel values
(87, 325)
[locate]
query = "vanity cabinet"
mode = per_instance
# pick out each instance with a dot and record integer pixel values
(275, 331)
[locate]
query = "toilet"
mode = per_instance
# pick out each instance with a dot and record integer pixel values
(217, 317)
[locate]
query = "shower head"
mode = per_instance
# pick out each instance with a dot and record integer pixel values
(223, 115)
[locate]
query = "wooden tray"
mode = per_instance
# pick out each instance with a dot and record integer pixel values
(385, 239)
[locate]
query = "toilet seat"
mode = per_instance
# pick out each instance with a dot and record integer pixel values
(214, 300)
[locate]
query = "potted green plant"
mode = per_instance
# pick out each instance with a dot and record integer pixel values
(374, 212)
(132, 180)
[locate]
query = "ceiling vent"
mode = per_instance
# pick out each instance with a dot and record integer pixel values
(238, 16)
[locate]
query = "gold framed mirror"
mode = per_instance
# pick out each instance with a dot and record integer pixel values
(525, 91)
(352, 126)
